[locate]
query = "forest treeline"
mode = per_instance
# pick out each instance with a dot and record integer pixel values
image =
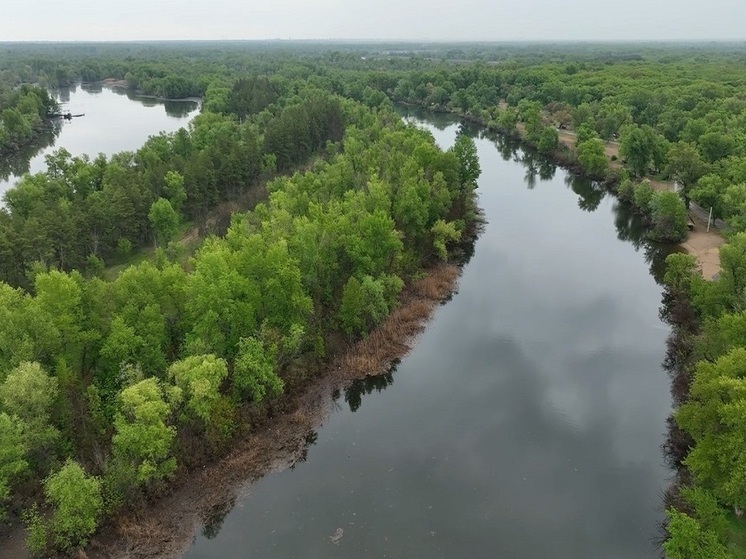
(707, 361)
(81, 214)
(109, 388)
(24, 114)
(183, 355)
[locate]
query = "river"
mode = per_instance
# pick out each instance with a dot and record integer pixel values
(526, 422)
(114, 121)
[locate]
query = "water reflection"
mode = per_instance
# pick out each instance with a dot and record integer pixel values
(355, 392)
(529, 406)
(93, 87)
(17, 164)
(114, 121)
(213, 521)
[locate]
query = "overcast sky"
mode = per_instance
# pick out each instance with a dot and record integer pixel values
(492, 20)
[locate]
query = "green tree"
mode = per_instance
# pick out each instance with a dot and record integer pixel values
(469, 169)
(165, 221)
(688, 540)
(548, 140)
(363, 305)
(592, 156)
(142, 443)
(254, 371)
(200, 377)
(668, 215)
(686, 167)
(714, 417)
(174, 189)
(13, 450)
(444, 232)
(76, 498)
(28, 395)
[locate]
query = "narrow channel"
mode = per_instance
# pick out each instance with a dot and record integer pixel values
(526, 422)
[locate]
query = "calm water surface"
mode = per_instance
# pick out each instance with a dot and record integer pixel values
(526, 422)
(113, 122)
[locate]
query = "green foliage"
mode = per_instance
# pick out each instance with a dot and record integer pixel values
(689, 540)
(13, 450)
(37, 536)
(668, 216)
(254, 374)
(592, 156)
(28, 395)
(363, 305)
(199, 377)
(469, 169)
(707, 511)
(174, 190)
(642, 195)
(164, 219)
(548, 141)
(444, 232)
(681, 269)
(685, 166)
(142, 444)
(713, 417)
(76, 498)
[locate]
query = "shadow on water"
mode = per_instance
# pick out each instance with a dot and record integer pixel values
(18, 164)
(630, 225)
(355, 392)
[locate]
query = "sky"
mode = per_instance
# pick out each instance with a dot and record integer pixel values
(415, 20)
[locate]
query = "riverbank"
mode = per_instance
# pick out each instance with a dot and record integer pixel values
(701, 243)
(167, 528)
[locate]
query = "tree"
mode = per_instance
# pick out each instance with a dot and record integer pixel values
(28, 394)
(548, 140)
(668, 215)
(13, 450)
(164, 219)
(688, 540)
(634, 145)
(254, 371)
(444, 232)
(199, 377)
(469, 169)
(363, 305)
(686, 167)
(174, 189)
(76, 498)
(714, 417)
(142, 442)
(592, 156)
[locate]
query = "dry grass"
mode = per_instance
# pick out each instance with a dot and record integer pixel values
(391, 340)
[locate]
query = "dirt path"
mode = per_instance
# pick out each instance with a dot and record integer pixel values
(702, 244)
(705, 247)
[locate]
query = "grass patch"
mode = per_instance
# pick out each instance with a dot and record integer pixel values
(737, 536)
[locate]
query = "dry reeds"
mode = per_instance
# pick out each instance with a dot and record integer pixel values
(391, 339)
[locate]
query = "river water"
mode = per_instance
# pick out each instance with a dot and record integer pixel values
(525, 423)
(114, 121)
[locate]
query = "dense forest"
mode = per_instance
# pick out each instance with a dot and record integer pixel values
(109, 387)
(24, 114)
(111, 383)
